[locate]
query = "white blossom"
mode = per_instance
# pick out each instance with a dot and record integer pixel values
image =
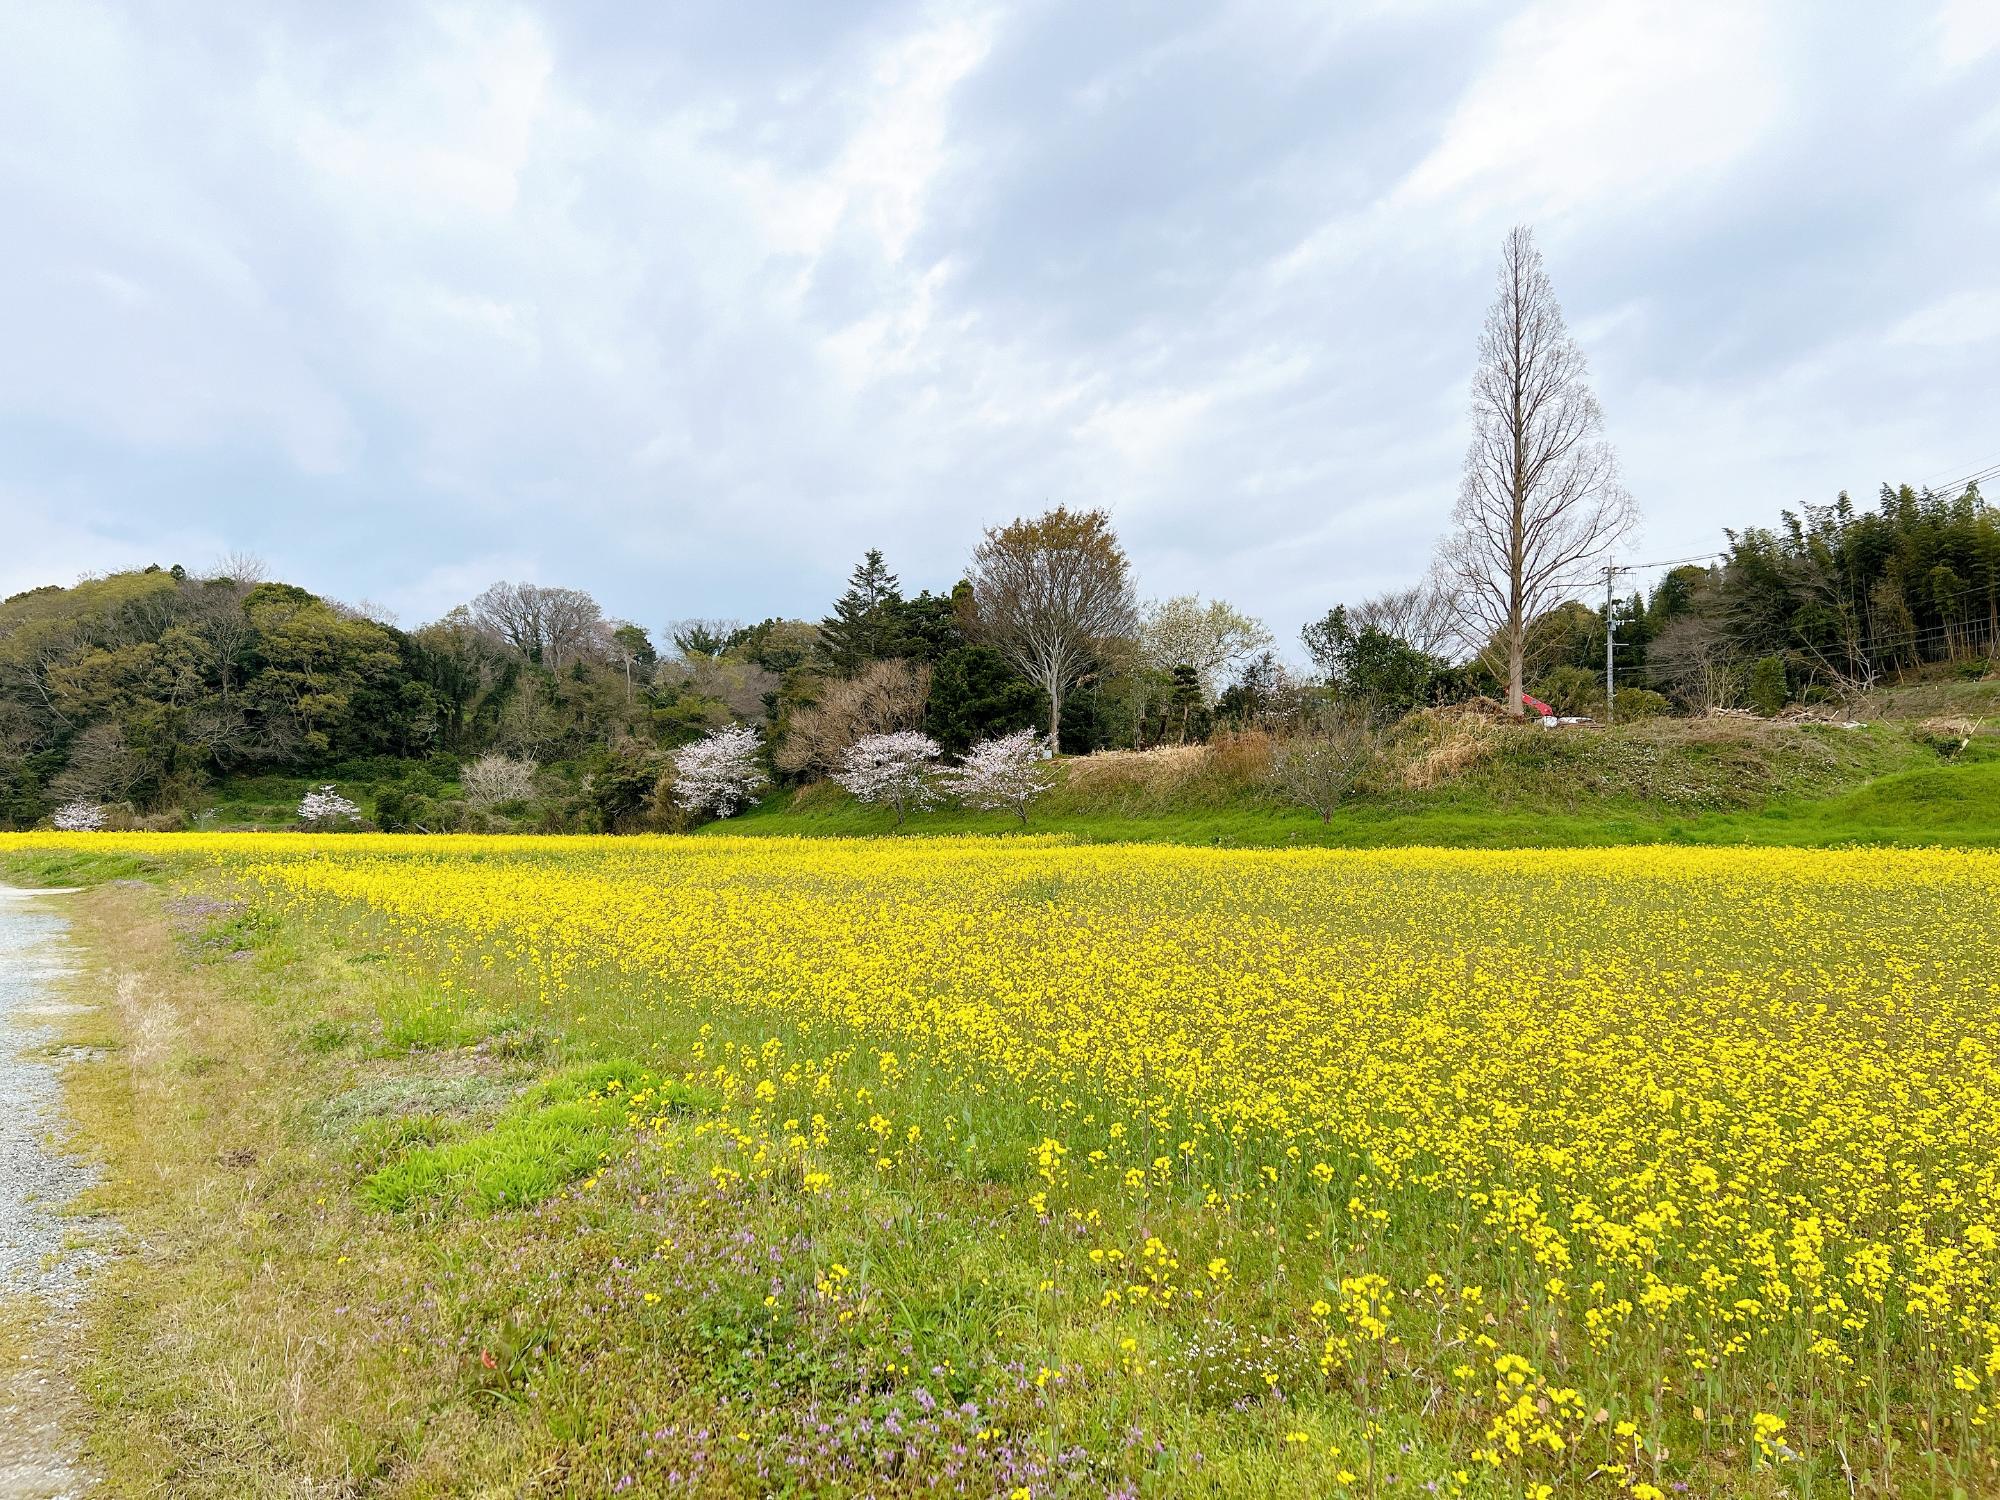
(78, 817)
(323, 807)
(892, 770)
(719, 773)
(1004, 774)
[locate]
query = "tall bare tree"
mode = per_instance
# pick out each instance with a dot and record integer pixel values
(553, 626)
(1049, 592)
(1541, 504)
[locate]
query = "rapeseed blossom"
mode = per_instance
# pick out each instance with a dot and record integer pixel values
(1604, 1144)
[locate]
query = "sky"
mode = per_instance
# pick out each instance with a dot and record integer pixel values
(688, 305)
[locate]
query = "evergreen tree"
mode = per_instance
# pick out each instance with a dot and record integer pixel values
(866, 621)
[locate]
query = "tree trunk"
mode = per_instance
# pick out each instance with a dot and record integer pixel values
(1055, 718)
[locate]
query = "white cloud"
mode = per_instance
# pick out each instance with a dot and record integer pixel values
(1967, 31)
(475, 291)
(1604, 103)
(1964, 318)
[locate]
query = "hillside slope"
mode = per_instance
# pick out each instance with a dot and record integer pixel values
(1469, 783)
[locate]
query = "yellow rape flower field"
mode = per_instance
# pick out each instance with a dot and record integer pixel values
(1155, 1170)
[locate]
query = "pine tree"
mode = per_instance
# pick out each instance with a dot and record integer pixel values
(866, 621)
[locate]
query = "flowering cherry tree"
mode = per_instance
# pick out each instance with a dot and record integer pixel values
(78, 817)
(892, 770)
(1005, 774)
(323, 807)
(719, 773)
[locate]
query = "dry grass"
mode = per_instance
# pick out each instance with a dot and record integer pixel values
(1153, 771)
(217, 1353)
(1167, 770)
(1439, 746)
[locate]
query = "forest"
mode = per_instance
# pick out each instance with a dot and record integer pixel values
(145, 690)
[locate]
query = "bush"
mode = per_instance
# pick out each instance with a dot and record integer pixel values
(493, 779)
(1633, 704)
(1768, 692)
(1571, 690)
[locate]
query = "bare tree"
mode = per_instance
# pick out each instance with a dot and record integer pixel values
(1048, 593)
(1421, 615)
(1541, 502)
(1319, 767)
(101, 767)
(553, 626)
(243, 571)
(494, 778)
(1691, 655)
(887, 697)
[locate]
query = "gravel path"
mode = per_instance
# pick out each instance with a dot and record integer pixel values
(39, 1277)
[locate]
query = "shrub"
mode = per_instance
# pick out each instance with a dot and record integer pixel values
(1572, 690)
(1633, 704)
(1767, 690)
(494, 778)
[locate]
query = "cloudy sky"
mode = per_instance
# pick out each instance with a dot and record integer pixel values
(690, 304)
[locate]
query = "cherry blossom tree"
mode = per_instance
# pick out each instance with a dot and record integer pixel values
(892, 770)
(323, 807)
(78, 817)
(1005, 774)
(719, 773)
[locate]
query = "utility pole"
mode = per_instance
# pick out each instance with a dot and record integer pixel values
(1610, 636)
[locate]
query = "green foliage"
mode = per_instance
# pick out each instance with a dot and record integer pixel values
(976, 695)
(1571, 690)
(1387, 674)
(556, 1133)
(1767, 690)
(1632, 704)
(866, 623)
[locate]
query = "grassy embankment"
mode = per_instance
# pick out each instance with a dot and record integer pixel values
(1669, 781)
(1722, 781)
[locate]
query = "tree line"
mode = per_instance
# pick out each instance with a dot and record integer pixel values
(145, 688)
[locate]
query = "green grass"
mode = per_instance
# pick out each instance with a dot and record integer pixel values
(1952, 803)
(64, 867)
(1809, 787)
(563, 1129)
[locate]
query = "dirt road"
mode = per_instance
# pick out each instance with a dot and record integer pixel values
(41, 1266)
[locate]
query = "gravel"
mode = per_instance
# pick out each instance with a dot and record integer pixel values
(41, 1264)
